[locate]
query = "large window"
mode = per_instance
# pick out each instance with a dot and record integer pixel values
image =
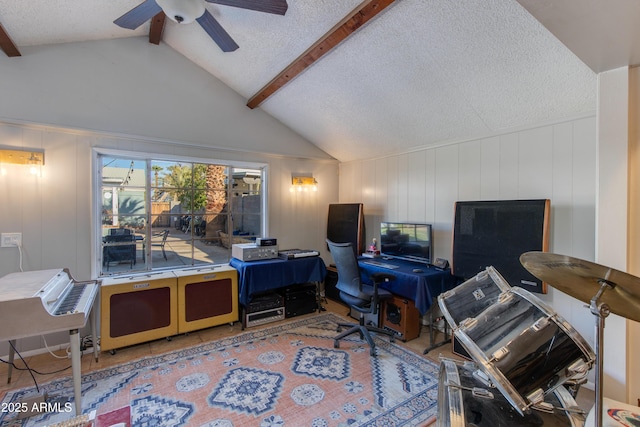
(159, 214)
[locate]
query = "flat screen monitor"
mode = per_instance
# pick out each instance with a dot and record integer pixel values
(406, 240)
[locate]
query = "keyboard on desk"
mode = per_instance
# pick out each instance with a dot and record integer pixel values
(381, 264)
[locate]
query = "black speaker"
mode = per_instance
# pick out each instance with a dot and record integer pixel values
(496, 233)
(394, 315)
(401, 316)
(330, 282)
(345, 224)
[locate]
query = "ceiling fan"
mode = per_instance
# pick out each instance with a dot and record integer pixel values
(187, 11)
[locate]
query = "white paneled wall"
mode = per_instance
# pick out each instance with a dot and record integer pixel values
(555, 162)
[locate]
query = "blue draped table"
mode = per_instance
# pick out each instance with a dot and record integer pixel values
(260, 276)
(420, 287)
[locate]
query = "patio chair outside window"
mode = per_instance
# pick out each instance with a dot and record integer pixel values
(119, 248)
(163, 234)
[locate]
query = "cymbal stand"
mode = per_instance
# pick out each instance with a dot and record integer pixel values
(601, 311)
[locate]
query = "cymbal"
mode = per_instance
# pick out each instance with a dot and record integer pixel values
(583, 279)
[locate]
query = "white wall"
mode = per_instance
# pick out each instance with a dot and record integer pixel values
(556, 162)
(119, 94)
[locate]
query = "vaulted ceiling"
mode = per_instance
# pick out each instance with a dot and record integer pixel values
(418, 73)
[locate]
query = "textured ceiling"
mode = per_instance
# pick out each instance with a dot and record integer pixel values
(422, 72)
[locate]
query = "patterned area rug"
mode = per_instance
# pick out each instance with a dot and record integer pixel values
(288, 375)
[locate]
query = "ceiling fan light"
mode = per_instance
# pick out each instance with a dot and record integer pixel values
(182, 11)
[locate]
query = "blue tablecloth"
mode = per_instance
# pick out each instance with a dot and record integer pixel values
(422, 288)
(261, 276)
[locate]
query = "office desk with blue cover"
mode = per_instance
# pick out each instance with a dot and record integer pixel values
(421, 287)
(256, 277)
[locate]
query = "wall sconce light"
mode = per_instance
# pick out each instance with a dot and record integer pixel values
(34, 159)
(303, 183)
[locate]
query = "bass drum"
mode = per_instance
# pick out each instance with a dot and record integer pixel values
(466, 400)
(525, 348)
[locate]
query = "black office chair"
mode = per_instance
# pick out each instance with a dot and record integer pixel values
(359, 296)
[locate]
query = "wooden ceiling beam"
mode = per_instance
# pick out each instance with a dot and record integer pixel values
(7, 45)
(347, 26)
(156, 29)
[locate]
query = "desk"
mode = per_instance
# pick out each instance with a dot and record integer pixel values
(260, 276)
(422, 288)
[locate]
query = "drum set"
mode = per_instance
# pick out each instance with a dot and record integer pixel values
(528, 362)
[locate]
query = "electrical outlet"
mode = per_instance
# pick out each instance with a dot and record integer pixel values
(8, 240)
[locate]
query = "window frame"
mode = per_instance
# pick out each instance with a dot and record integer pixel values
(148, 158)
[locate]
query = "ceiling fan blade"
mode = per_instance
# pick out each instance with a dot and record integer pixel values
(277, 7)
(138, 15)
(216, 32)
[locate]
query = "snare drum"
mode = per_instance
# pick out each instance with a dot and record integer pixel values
(465, 399)
(519, 342)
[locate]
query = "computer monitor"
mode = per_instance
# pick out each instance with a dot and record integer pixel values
(411, 241)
